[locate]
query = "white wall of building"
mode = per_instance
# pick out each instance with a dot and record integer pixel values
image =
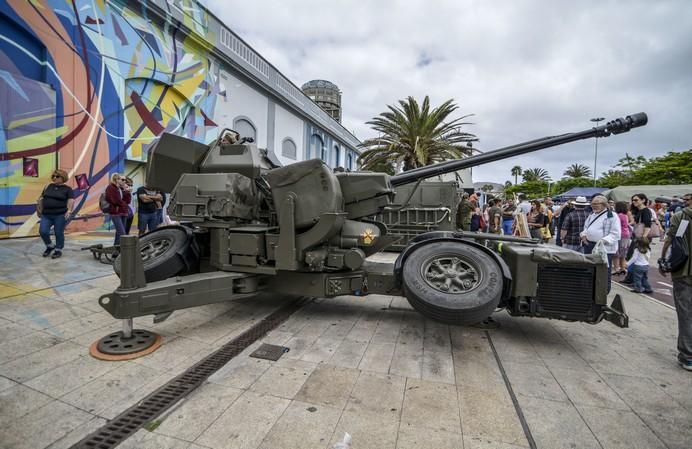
(242, 101)
(287, 124)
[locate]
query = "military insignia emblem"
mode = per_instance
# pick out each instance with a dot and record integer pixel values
(368, 236)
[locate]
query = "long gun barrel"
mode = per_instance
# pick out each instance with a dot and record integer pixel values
(616, 126)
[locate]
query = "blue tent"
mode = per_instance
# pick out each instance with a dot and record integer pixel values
(588, 192)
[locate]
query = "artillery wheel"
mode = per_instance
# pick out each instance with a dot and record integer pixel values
(452, 282)
(160, 252)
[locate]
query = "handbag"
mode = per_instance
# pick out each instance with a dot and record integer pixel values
(599, 250)
(655, 230)
(545, 233)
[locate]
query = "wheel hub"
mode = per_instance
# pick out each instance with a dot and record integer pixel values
(154, 248)
(450, 274)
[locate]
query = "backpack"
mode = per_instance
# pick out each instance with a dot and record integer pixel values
(679, 247)
(103, 203)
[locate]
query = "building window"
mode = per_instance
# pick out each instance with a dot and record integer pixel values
(288, 148)
(30, 167)
(349, 161)
(316, 147)
(337, 156)
(245, 127)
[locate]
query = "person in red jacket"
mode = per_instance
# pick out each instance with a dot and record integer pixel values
(118, 196)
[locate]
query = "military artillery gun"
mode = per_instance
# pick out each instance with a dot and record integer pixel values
(301, 229)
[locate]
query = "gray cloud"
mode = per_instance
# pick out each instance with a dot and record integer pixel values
(525, 69)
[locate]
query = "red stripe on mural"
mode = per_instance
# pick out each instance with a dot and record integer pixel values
(207, 120)
(145, 114)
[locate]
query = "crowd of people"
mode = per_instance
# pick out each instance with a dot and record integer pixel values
(499, 216)
(626, 230)
(56, 205)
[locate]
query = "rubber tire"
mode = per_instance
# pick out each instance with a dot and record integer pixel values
(167, 264)
(453, 308)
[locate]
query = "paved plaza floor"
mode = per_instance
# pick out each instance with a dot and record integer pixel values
(370, 366)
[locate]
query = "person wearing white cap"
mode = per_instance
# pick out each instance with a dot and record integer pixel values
(601, 226)
(573, 225)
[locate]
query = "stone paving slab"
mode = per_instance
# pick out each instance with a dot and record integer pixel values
(371, 367)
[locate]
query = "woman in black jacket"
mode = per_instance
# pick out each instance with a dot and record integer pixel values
(57, 201)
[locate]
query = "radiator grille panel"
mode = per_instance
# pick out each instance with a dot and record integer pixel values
(565, 291)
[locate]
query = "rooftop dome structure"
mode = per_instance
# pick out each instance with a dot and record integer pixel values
(327, 96)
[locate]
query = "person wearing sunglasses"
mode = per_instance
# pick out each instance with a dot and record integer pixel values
(643, 218)
(682, 280)
(55, 207)
(118, 196)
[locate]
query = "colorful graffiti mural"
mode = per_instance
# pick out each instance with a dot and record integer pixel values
(86, 85)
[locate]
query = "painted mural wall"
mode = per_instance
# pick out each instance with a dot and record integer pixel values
(88, 85)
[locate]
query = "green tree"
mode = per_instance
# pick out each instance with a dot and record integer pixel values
(613, 178)
(631, 164)
(383, 167)
(577, 171)
(535, 174)
(516, 172)
(487, 188)
(416, 136)
(566, 184)
(533, 189)
(508, 184)
(673, 168)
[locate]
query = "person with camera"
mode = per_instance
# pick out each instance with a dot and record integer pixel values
(681, 228)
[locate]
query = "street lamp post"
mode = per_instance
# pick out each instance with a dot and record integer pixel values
(595, 155)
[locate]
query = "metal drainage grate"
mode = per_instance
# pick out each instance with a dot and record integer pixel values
(269, 352)
(127, 423)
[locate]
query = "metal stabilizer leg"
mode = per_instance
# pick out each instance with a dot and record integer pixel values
(129, 343)
(127, 328)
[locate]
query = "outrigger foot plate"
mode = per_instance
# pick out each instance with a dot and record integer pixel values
(117, 347)
(615, 313)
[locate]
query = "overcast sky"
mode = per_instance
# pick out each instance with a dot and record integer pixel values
(525, 69)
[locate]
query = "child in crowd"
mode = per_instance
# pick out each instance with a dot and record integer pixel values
(639, 266)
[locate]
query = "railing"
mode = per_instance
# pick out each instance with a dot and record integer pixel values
(410, 222)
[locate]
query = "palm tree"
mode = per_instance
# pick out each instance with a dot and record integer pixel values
(416, 136)
(487, 188)
(535, 174)
(577, 171)
(630, 163)
(516, 172)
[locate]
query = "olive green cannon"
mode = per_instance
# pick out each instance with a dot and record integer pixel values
(249, 225)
